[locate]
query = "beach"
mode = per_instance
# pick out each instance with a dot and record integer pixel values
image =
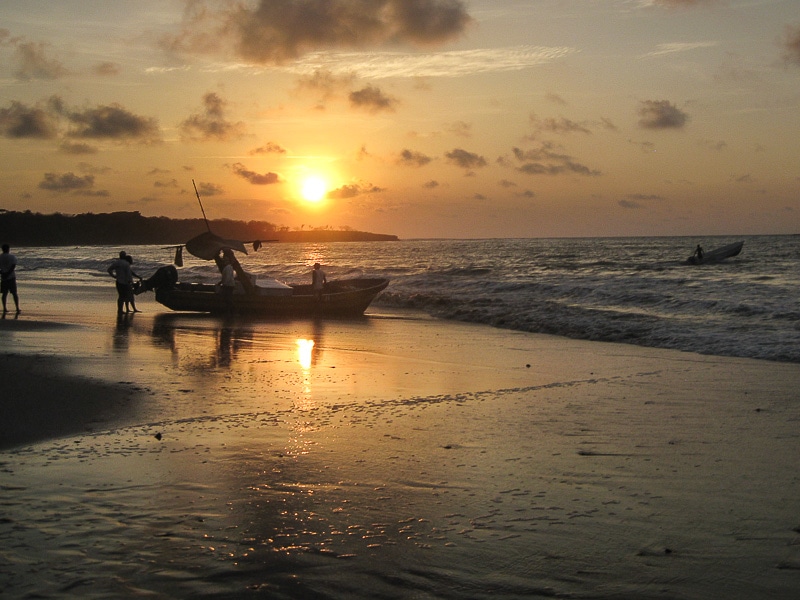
(394, 456)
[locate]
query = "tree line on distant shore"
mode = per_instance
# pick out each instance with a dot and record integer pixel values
(131, 228)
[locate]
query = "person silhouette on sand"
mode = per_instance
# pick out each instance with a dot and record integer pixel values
(122, 273)
(8, 277)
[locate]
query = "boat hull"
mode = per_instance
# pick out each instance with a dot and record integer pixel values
(717, 255)
(346, 297)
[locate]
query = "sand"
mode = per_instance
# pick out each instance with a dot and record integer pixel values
(167, 455)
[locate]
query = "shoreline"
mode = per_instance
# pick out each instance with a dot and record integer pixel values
(395, 455)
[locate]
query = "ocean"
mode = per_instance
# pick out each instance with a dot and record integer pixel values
(626, 290)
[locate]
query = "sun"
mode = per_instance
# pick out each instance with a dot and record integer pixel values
(313, 188)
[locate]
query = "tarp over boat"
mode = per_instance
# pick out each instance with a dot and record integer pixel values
(208, 245)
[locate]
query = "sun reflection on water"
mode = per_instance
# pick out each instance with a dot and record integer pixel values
(305, 350)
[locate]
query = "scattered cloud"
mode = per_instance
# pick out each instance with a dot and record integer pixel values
(66, 182)
(412, 158)
(372, 99)
(661, 114)
(273, 32)
(170, 183)
(681, 3)
(465, 159)
(675, 47)
(353, 190)
(33, 61)
(429, 185)
(253, 177)
(21, 121)
(325, 84)
(561, 125)
(277, 31)
(110, 122)
(209, 189)
(545, 160)
(268, 148)
(791, 44)
(555, 99)
(106, 69)
(459, 128)
(77, 148)
(456, 63)
(211, 123)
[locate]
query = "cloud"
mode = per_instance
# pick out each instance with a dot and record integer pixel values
(661, 114)
(253, 177)
(457, 63)
(66, 182)
(555, 99)
(682, 3)
(412, 158)
(459, 128)
(209, 189)
(33, 62)
(791, 45)
(112, 122)
(625, 203)
(76, 148)
(561, 125)
(268, 148)
(171, 183)
(211, 123)
(353, 190)
(21, 121)
(106, 69)
(675, 47)
(429, 185)
(372, 99)
(465, 159)
(544, 160)
(325, 83)
(277, 31)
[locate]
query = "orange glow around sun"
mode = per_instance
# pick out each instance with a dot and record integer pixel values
(313, 188)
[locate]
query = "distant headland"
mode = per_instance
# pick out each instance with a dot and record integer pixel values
(131, 228)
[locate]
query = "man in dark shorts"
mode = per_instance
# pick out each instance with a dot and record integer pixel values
(8, 277)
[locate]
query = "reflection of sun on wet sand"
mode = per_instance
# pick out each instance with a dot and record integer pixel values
(393, 457)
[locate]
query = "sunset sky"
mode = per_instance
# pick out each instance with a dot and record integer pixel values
(421, 118)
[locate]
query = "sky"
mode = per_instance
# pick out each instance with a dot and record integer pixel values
(419, 118)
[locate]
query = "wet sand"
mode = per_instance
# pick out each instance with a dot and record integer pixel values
(398, 456)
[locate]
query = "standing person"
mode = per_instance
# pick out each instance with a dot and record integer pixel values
(131, 300)
(8, 277)
(698, 253)
(121, 271)
(318, 281)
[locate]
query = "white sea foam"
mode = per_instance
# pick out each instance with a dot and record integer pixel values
(630, 290)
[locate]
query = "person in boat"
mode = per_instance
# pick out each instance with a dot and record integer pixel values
(698, 253)
(318, 281)
(122, 273)
(227, 257)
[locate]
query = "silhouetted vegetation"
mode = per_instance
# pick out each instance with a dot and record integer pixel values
(131, 228)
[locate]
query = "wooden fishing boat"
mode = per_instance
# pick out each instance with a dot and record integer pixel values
(339, 298)
(717, 255)
(264, 297)
(256, 296)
